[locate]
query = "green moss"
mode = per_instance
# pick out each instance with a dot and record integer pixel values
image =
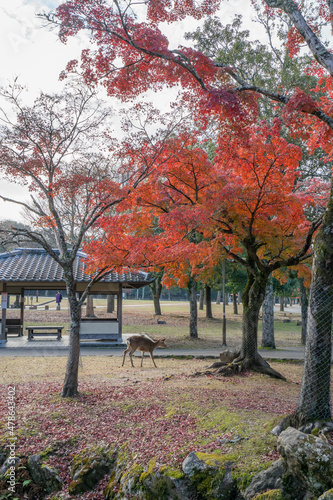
(149, 471)
(212, 459)
(270, 495)
(173, 473)
(88, 467)
(328, 495)
(110, 490)
(207, 483)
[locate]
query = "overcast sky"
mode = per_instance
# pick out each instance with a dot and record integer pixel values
(33, 53)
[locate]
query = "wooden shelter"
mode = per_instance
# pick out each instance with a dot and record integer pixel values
(34, 269)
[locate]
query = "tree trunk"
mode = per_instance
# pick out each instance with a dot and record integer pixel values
(268, 318)
(201, 300)
(314, 402)
(156, 289)
(143, 292)
(304, 310)
(281, 303)
(110, 304)
(249, 358)
(193, 309)
(90, 307)
(234, 302)
(218, 298)
(70, 387)
(208, 293)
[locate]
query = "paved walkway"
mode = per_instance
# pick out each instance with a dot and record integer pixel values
(20, 346)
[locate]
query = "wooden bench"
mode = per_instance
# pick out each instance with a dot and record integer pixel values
(13, 327)
(40, 331)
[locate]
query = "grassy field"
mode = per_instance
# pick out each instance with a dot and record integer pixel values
(150, 414)
(138, 316)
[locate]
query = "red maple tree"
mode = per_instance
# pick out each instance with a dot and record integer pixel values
(248, 205)
(145, 61)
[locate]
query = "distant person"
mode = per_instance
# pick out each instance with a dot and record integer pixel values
(58, 300)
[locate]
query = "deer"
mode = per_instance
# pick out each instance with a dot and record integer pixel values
(144, 344)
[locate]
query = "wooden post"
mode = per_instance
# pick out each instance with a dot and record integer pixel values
(120, 310)
(3, 320)
(22, 309)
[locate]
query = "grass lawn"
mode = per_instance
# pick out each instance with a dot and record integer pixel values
(161, 413)
(138, 316)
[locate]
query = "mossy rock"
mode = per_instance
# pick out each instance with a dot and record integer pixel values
(118, 469)
(308, 458)
(166, 483)
(210, 474)
(270, 495)
(3, 454)
(24, 487)
(129, 483)
(328, 495)
(89, 467)
(149, 484)
(43, 474)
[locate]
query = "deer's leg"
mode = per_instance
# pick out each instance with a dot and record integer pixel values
(130, 355)
(152, 358)
(142, 354)
(124, 355)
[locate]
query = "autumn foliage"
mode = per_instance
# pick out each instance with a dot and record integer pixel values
(192, 212)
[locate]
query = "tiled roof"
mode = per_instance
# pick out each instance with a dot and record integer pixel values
(35, 264)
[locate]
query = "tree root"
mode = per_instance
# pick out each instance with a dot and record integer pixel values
(241, 364)
(304, 423)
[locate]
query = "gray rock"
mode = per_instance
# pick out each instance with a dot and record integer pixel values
(193, 464)
(171, 488)
(88, 469)
(8, 463)
(269, 479)
(308, 458)
(211, 475)
(44, 475)
(3, 456)
(229, 355)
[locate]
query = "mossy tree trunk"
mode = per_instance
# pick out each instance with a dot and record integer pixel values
(314, 401)
(252, 299)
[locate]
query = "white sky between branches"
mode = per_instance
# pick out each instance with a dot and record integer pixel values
(33, 53)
